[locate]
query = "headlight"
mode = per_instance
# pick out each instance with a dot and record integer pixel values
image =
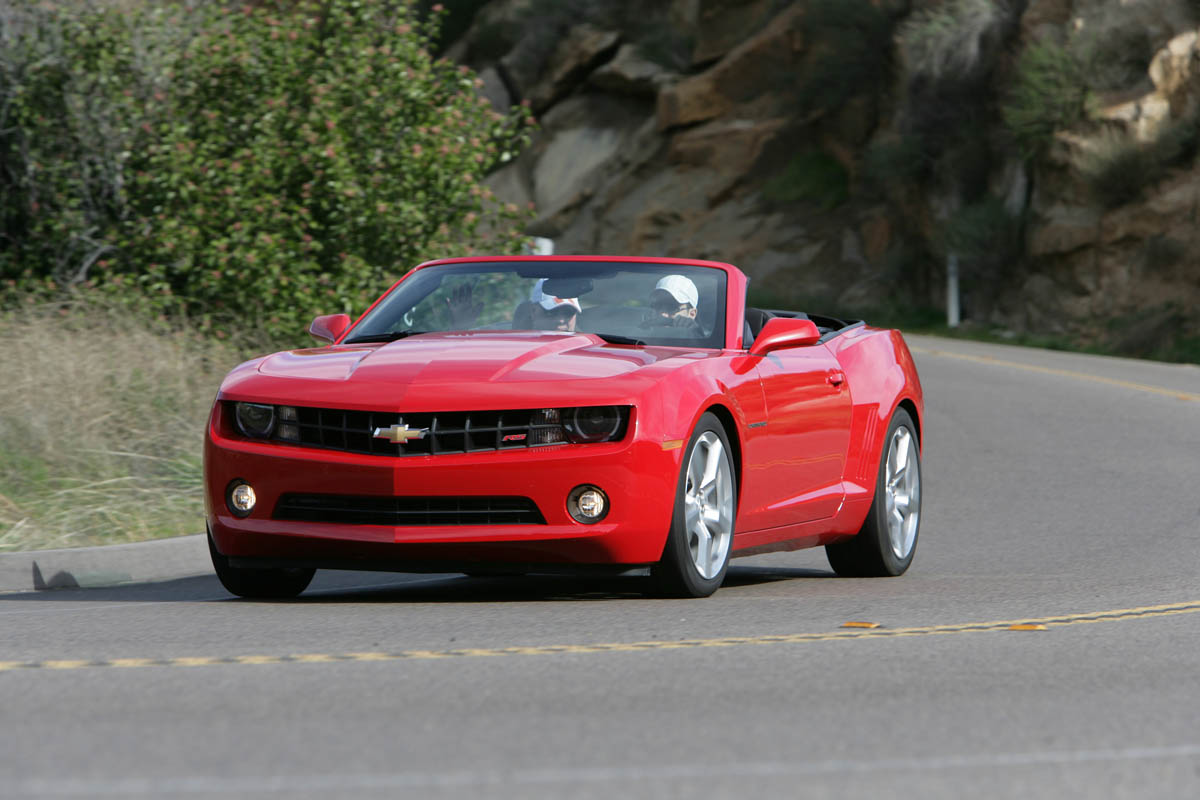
(254, 419)
(593, 423)
(582, 425)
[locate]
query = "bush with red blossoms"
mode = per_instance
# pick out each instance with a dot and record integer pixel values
(242, 167)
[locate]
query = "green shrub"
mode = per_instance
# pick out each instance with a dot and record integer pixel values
(1115, 57)
(1118, 169)
(267, 163)
(892, 160)
(814, 177)
(1048, 93)
(949, 42)
(73, 92)
(987, 239)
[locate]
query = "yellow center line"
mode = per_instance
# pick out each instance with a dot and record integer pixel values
(1039, 623)
(1063, 373)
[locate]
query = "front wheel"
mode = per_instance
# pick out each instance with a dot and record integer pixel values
(696, 555)
(888, 539)
(259, 583)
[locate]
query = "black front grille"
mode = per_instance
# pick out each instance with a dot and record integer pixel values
(351, 510)
(444, 432)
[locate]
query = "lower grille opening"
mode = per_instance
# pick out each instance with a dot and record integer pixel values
(352, 510)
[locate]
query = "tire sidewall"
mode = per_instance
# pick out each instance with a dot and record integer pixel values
(894, 565)
(677, 555)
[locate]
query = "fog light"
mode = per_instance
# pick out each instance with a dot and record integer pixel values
(591, 504)
(587, 504)
(241, 498)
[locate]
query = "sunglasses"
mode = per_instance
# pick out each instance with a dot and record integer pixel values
(667, 306)
(561, 314)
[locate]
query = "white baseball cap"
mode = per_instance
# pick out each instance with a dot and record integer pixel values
(681, 288)
(549, 301)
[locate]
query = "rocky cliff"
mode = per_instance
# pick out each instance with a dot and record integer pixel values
(841, 150)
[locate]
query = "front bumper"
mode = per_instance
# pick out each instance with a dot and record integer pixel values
(638, 475)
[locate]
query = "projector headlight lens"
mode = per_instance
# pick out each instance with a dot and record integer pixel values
(255, 419)
(594, 423)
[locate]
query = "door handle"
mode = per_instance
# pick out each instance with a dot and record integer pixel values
(835, 378)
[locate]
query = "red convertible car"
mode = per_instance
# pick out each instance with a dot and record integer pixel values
(535, 414)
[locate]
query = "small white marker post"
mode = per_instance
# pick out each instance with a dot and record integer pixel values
(952, 310)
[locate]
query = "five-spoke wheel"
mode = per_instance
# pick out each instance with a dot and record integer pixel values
(885, 544)
(696, 555)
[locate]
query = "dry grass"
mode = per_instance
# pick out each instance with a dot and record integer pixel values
(101, 427)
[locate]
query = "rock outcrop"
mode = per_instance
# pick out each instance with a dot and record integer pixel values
(686, 130)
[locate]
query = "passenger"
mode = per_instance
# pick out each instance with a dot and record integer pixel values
(552, 313)
(673, 304)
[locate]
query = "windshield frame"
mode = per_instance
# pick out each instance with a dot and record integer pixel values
(425, 279)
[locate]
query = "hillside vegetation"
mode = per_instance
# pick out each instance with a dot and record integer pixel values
(180, 178)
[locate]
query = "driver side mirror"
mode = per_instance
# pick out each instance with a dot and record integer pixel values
(782, 332)
(329, 327)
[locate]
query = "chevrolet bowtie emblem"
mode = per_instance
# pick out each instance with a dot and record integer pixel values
(400, 433)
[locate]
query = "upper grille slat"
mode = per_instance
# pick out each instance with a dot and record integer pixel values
(446, 432)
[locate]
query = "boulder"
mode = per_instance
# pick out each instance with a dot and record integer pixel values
(1172, 204)
(496, 28)
(738, 77)
(728, 147)
(583, 49)
(876, 234)
(495, 91)
(1066, 229)
(583, 142)
(629, 73)
(1044, 17)
(1175, 70)
(722, 25)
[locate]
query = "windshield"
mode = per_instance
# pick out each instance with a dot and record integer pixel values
(653, 304)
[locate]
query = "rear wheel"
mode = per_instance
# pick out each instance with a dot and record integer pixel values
(259, 583)
(696, 556)
(888, 539)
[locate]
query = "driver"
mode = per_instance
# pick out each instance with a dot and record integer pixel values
(673, 304)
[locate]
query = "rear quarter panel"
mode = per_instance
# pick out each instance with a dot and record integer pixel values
(882, 376)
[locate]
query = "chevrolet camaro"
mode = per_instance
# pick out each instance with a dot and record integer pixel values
(533, 414)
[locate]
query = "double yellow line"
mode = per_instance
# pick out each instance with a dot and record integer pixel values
(1041, 623)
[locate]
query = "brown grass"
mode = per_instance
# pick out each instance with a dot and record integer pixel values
(101, 427)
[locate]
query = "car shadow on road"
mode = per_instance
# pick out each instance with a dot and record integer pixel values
(355, 587)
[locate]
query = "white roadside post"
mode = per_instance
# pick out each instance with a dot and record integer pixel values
(952, 312)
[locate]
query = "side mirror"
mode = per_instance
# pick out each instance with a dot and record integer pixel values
(783, 332)
(329, 327)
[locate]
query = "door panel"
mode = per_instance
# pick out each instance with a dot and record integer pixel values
(800, 457)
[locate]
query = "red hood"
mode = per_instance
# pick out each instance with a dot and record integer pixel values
(475, 363)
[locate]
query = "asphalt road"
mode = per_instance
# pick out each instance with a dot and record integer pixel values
(1060, 491)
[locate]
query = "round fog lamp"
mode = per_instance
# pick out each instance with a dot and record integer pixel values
(242, 499)
(591, 504)
(587, 504)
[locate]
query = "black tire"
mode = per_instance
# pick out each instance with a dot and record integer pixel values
(871, 554)
(259, 583)
(677, 574)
